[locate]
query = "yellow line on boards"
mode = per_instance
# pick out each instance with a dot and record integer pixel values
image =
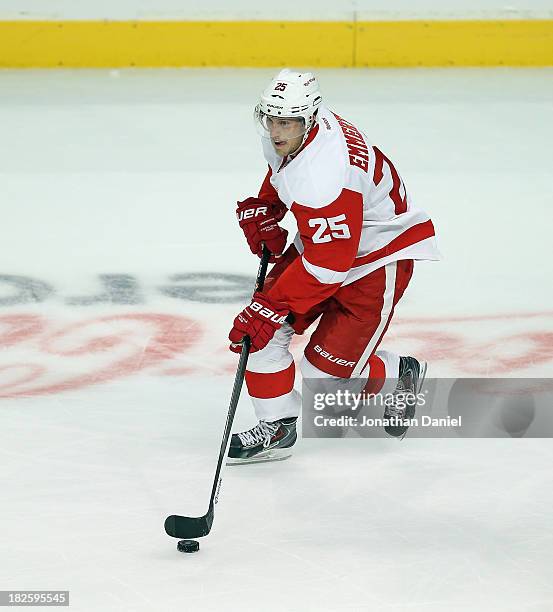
(89, 44)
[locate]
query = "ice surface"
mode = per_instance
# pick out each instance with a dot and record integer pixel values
(114, 388)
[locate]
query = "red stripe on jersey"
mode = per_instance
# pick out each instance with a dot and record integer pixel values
(414, 234)
(272, 384)
(400, 204)
(378, 167)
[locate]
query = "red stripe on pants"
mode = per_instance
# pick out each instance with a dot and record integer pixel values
(377, 375)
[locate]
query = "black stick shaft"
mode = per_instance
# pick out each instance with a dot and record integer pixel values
(196, 527)
(262, 270)
(239, 377)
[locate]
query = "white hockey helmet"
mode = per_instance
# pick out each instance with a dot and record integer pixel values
(290, 94)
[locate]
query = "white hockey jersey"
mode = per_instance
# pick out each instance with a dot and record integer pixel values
(352, 210)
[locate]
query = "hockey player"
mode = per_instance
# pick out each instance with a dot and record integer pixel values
(350, 262)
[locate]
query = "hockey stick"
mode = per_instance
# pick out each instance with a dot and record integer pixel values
(195, 527)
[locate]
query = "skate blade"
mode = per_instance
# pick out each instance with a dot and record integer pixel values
(277, 454)
(422, 375)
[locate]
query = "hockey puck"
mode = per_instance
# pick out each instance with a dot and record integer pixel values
(188, 546)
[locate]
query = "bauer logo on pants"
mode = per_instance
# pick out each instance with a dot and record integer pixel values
(332, 358)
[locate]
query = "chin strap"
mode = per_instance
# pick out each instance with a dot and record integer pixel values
(312, 122)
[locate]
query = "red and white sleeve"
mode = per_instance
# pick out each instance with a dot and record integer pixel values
(267, 191)
(269, 194)
(330, 236)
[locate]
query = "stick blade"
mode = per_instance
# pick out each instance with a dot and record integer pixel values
(187, 527)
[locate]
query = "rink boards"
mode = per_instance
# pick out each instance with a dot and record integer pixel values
(143, 43)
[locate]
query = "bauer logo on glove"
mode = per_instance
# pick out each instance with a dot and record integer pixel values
(260, 320)
(268, 313)
(242, 214)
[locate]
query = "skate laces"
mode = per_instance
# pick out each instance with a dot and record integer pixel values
(263, 432)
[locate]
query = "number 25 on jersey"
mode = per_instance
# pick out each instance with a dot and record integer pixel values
(328, 229)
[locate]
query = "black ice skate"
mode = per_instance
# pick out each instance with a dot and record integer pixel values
(403, 406)
(264, 442)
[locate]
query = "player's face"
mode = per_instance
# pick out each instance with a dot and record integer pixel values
(286, 134)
